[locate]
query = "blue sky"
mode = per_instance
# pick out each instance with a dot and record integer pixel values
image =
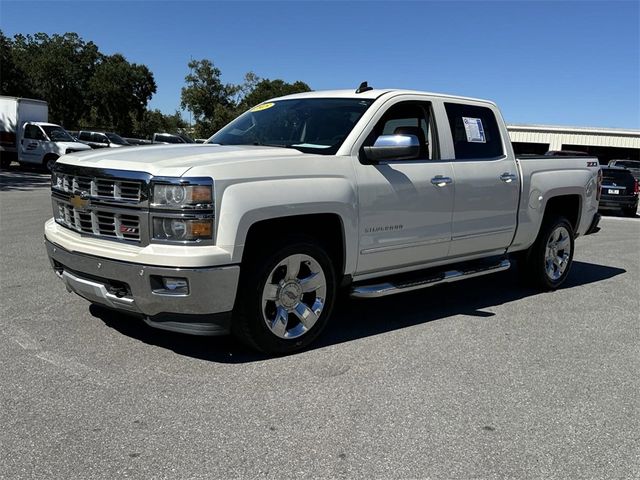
(565, 63)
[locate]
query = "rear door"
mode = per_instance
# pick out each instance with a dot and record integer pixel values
(32, 144)
(487, 180)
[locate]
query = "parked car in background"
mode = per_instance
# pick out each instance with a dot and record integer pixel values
(632, 165)
(566, 153)
(137, 141)
(102, 139)
(27, 137)
(619, 190)
(167, 138)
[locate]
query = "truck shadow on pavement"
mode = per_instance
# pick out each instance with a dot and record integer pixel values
(22, 179)
(355, 319)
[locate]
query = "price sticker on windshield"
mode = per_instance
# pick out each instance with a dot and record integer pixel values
(474, 129)
(264, 106)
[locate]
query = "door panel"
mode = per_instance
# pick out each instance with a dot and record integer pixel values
(484, 217)
(31, 145)
(404, 218)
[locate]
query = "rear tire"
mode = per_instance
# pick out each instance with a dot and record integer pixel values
(547, 263)
(285, 297)
(630, 212)
(5, 163)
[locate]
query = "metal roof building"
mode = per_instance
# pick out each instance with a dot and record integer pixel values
(605, 143)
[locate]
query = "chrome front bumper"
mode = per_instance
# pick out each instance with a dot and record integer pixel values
(132, 288)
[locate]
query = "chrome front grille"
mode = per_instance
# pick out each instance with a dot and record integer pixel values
(102, 188)
(98, 222)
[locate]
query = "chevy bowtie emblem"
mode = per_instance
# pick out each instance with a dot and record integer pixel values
(80, 200)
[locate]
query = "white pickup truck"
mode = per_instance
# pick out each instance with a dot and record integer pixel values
(375, 191)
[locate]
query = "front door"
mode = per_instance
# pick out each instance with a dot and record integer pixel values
(405, 205)
(32, 144)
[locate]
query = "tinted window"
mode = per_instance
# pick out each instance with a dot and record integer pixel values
(169, 139)
(117, 139)
(99, 138)
(33, 132)
(84, 136)
(474, 130)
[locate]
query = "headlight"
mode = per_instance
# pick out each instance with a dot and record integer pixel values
(182, 196)
(182, 229)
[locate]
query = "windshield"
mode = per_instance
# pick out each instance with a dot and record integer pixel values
(627, 163)
(57, 134)
(117, 139)
(313, 125)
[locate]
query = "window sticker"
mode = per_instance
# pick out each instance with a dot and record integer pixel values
(474, 129)
(264, 106)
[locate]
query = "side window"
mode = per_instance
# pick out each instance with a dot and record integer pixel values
(86, 136)
(413, 118)
(474, 130)
(32, 132)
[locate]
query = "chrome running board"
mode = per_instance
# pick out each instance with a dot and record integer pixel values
(391, 288)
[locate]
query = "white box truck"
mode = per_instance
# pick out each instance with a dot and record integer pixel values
(27, 137)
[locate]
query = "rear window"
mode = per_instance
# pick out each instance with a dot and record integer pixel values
(620, 176)
(474, 130)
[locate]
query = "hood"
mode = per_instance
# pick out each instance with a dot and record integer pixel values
(73, 145)
(173, 160)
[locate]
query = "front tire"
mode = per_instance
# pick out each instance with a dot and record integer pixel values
(49, 161)
(285, 297)
(548, 261)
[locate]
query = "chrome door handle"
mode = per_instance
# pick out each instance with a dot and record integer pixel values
(440, 181)
(507, 177)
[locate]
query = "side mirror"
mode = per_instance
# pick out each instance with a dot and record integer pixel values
(393, 147)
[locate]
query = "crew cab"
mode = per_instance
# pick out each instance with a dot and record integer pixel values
(377, 192)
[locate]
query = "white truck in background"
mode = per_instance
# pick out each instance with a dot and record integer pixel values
(375, 191)
(27, 137)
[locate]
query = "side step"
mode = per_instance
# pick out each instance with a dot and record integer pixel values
(435, 278)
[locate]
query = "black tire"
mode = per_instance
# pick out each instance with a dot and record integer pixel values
(49, 161)
(5, 163)
(251, 316)
(630, 212)
(535, 267)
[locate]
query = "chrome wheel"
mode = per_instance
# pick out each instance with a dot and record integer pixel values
(557, 253)
(294, 296)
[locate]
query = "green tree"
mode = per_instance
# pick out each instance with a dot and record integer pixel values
(209, 100)
(214, 104)
(264, 89)
(13, 81)
(58, 69)
(153, 121)
(119, 92)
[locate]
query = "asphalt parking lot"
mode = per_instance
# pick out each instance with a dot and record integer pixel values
(479, 379)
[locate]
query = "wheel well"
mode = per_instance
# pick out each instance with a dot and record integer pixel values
(326, 228)
(567, 206)
(48, 156)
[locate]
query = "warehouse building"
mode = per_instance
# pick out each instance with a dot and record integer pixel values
(604, 143)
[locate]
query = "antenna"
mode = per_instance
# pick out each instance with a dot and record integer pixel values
(364, 87)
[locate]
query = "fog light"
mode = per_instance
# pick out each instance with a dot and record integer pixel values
(169, 285)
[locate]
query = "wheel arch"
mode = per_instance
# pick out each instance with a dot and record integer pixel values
(326, 228)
